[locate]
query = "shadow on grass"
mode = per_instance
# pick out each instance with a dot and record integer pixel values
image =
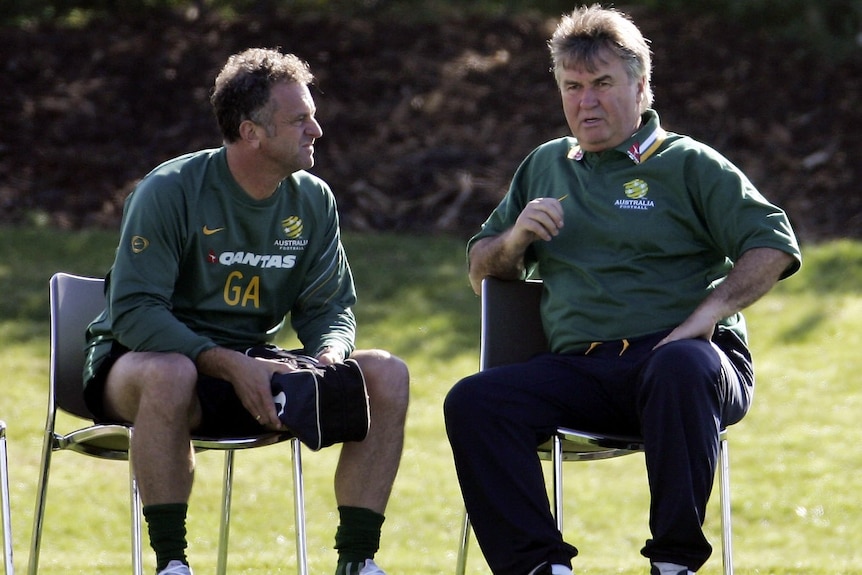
(833, 268)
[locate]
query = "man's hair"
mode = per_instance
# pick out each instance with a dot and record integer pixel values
(585, 36)
(243, 86)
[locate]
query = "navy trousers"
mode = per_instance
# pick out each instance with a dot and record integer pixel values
(677, 397)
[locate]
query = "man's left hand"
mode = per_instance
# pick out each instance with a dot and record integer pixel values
(329, 356)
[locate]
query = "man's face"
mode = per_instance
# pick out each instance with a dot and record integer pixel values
(601, 107)
(290, 136)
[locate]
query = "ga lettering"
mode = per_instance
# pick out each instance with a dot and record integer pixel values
(237, 292)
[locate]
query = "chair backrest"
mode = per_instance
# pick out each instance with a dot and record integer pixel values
(511, 323)
(75, 302)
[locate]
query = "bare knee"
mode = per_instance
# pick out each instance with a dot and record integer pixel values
(141, 381)
(386, 376)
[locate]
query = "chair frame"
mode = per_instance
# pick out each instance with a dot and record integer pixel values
(112, 441)
(517, 335)
(5, 501)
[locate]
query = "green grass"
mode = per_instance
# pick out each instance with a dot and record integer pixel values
(794, 460)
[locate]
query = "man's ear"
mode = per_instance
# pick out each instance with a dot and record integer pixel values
(250, 132)
(641, 90)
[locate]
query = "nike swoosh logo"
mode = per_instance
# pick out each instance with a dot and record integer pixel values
(209, 232)
(280, 402)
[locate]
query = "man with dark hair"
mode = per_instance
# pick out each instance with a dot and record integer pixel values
(649, 245)
(217, 248)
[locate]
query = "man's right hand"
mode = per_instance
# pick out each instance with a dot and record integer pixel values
(250, 378)
(502, 256)
(542, 218)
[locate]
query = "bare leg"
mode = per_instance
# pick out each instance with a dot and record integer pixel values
(156, 392)
(366, 470)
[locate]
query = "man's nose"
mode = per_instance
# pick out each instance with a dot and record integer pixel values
(589, 98)
(315, 128)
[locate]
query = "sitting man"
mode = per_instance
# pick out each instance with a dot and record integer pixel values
(217, 247)
(649, 245)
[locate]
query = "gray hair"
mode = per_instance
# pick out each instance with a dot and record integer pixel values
(583, 37)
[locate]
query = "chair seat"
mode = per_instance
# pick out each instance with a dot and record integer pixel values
(221, 443)
(112, 441)
(578, 445)
(103, 441)
(588, 446)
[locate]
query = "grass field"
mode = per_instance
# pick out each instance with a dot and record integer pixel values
(795, 461)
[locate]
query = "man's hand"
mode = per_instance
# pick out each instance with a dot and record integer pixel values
(250, 378)
(751, 277)
(502, 256)
(696, 326)
(542, 219)
(329, 356)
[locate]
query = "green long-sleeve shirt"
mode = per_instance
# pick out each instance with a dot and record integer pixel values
(200, 264)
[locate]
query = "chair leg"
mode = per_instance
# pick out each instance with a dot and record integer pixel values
(557, 463)
(137, 512)
(461, 565)
(4, 499)
(724, 488)
(224, 523)
(41, 495)
(299, 509)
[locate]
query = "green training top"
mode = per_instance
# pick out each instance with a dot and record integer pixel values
(651, 227)
(200, 263)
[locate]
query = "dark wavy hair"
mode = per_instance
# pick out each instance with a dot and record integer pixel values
(243, 86)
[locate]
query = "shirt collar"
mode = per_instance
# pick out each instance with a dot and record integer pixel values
(639, 147)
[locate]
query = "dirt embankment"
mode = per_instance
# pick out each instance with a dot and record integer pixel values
(424, 124)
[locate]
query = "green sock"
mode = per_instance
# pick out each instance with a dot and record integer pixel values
(357, 538)
(166, 524)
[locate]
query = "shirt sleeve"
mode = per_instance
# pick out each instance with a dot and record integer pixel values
(322, 315)
(737, 216)
(507, 211)
(145, 271)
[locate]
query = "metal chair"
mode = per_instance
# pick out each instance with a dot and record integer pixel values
(74, 302)
(512, 331)
(5, 502)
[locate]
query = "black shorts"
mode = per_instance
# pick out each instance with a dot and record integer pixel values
(223, 414)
